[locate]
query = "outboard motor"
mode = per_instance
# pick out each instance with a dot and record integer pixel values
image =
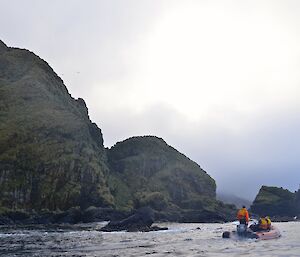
(241, 229)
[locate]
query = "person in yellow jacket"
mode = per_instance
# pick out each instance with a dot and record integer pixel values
(268, 222)
(263, 224)
(243, 216)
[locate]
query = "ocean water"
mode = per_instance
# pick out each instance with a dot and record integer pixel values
(187, 240)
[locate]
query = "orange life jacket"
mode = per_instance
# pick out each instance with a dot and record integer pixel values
(243, 214)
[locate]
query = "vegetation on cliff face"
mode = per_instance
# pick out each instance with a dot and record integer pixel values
(276, 201)
(147, 171)
(52, 155)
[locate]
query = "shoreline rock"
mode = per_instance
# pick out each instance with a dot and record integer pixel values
(139, 220)
(72, 216)
(142, 220)
(135, 220)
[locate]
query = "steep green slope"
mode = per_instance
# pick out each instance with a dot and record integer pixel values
(147, 171)
(276, 201)
(51, 155)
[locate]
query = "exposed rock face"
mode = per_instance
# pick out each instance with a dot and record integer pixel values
(145, 171)
(140, 221)
(51, 155)
(274, 201)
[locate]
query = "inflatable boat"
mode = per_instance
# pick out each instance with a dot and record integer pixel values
(268, 234)
(243, 231)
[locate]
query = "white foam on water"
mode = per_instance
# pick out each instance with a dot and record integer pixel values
(188, 240)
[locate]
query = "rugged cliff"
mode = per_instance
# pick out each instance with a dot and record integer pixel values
(51, 154)
(147, 171)
(274, 201)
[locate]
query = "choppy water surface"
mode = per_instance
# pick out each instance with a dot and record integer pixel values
(188, 240)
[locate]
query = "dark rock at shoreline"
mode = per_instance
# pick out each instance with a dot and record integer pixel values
(17, 216)
(94, 214)
(204, 217)
(194, 216)
(72, 216)
(45, 217)
(144, 216)
(145, 228)
(5, 221)
(140, 221)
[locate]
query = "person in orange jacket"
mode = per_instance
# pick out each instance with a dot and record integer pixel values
(243, 216)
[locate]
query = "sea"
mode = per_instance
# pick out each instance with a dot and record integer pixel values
(181, 239)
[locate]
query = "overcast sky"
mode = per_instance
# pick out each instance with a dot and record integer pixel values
(218, 80)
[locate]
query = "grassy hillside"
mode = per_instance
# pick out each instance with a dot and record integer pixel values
(51, 155)
(145, 170)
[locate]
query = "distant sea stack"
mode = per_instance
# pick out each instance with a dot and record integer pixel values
(52, 156)
(275, 201)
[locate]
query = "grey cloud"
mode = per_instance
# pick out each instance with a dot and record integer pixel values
(95, 45)
(265, 151)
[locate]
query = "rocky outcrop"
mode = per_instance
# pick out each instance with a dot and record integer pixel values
(51, 154)
(146, 171)
(72, 216)
(54, 166)
(277, 202)
(155, 174)
(142, 220)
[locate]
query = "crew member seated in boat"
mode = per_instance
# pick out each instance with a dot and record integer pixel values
(262, 225)
(268, 222)
(243, 216)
